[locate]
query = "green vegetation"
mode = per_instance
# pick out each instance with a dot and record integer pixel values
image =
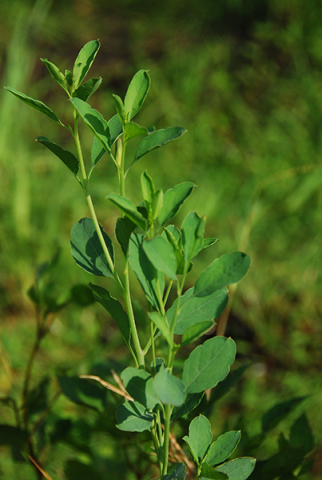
(249, 98)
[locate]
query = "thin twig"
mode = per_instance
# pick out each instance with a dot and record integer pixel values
(109, 386)
(39, 468)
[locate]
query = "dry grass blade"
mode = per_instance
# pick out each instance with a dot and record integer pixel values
(40, 469)
(109, 386)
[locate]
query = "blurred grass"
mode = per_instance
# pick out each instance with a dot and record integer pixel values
(244, 78)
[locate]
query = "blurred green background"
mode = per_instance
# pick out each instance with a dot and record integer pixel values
(245, 79)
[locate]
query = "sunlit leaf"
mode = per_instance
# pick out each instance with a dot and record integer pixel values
(133, 417)
(84, 61)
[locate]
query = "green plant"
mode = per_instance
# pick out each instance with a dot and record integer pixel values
(160, 254)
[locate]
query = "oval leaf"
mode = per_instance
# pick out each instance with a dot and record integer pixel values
(65, 156)
(177, 472)
(162, 324)
(162, 255)
(195, 331)
(173, 200)
(169, 388)
(223, 447)
(227, 269)
(84, 61)
(199, 438)
(85, 91)
(139, 384)
(208, 364)
(136, 93)
(87, 249)
(57, 75)
(238, 469)
(132, 417)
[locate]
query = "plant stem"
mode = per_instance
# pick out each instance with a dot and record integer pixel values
(167, 419)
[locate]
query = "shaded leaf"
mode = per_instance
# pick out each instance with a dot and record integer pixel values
(157, 139)
(144, 270)
(65, 156)
(230, 381)
(177, 472)
(169, 388)
(97, 151)
(120, 109)
(208, 364)
(87, 249)
(129, 209)
(209, 473)
(114, 308)
(162, 255)
(133, 417)
(207, 242)
(192, 235)
(301, 434)
(223, 447)
(173, 200)
(83, 392)
(195, 331)
(124, 228)
(162, 324)
(13, 436)
(139, 384)
(37, 104)
(115, 129)
(133, 130)
(226, 270)
(85, 91)
(280, 411)
(191, 402)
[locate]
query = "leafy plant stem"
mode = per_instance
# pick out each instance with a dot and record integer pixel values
(152, 343)
(128, 305)
(167, 420)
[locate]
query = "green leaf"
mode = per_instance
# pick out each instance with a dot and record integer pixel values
(133, 130)
(13, 436)
(223, 447)
(147, 187)
(170, 389)
(95, 122)
(97, 151)
(162, 255)
(192, 235)
(118, 102)
(208, 242)
(208, 473)
(177, 472)
(173, 200)
(123, 230)
(129, 209)
(136, 93)
(144, 270)
(301, 434)
(195, 331)
(115, 128)
(139, 384)
(157, 139)
(57, 75)
(157, 203)
(85, 91)
(132, 417)
(65, 156)
(162, 324)
(87, 250)
(227, 269)
(114, 308)
(199, 438)
(280, 411)
(195, 310)
(84, 61)
(208, 364)
(69, 77)
(229, 382)
(238, 469)
(37, 104)
(191, 402)
(83, 392)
